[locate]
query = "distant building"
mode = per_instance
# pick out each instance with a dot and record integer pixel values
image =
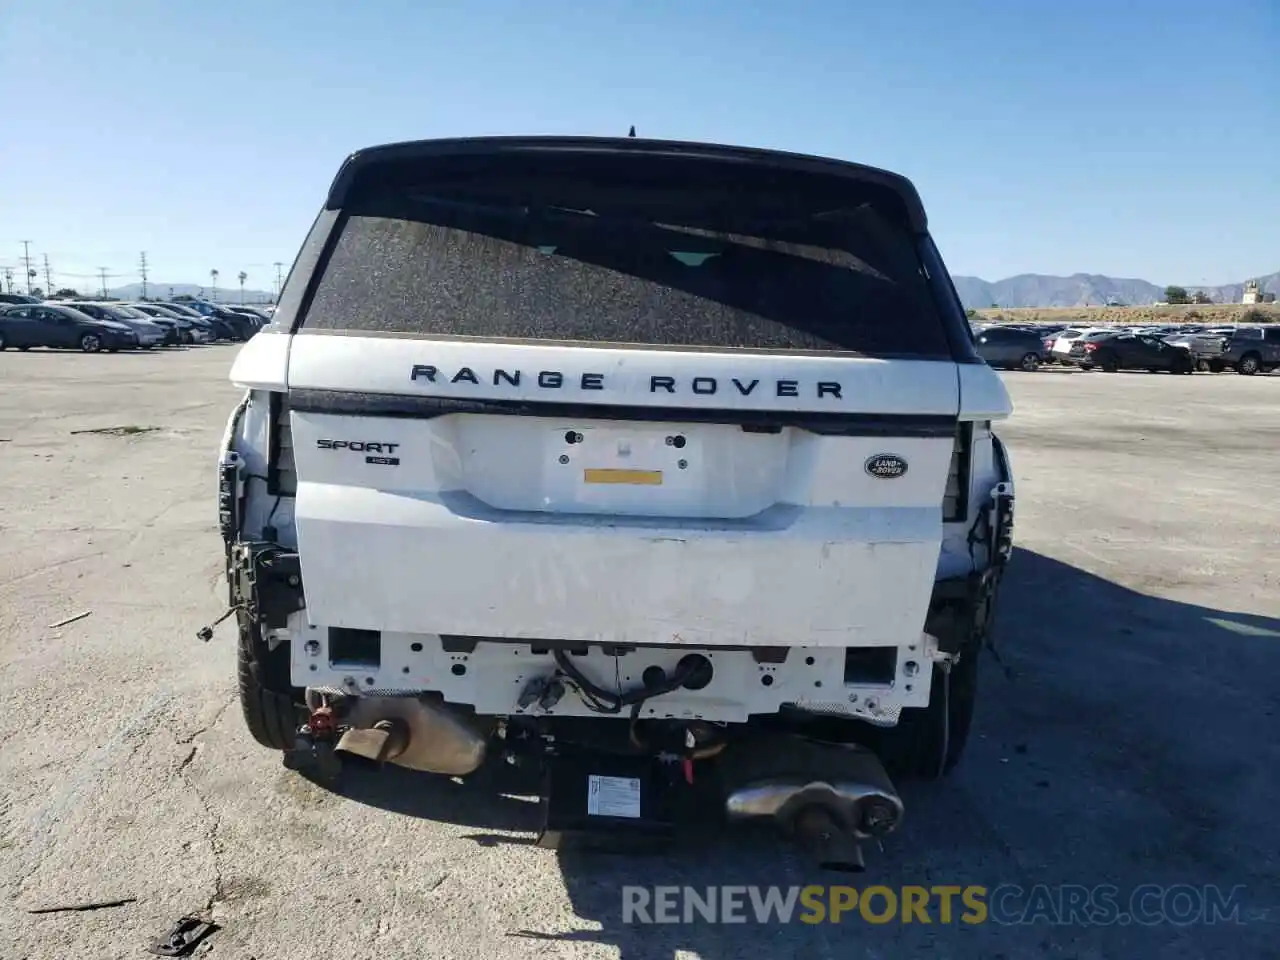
(1252, 293)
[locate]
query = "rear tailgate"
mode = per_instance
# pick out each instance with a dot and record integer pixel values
(541, 408)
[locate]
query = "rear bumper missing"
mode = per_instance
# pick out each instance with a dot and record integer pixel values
(501, 678)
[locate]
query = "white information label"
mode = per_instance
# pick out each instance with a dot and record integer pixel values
(613, 797)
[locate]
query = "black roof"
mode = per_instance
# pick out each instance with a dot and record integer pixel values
(454, 154)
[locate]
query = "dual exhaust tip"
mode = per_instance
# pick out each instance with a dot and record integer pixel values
(384, 742)
(828, 816)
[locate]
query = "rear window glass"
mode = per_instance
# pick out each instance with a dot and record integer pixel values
(424, 264)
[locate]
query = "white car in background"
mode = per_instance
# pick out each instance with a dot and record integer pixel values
(1062, 345)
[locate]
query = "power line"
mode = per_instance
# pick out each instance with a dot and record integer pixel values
(89, 276)
(142, 268)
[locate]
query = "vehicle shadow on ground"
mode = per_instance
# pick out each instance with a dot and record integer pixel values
(1121, 738)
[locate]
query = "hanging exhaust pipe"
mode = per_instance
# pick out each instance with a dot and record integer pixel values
(832, 848)
(413, 733)
(385, 741)
(842, 797)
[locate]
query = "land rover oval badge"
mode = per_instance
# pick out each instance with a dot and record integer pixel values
(886, 466)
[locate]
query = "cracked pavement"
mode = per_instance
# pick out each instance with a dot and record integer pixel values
(1135, 742)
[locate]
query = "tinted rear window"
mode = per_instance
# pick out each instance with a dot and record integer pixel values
(421, 263)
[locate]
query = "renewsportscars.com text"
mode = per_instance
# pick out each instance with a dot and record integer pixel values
(1008, 904)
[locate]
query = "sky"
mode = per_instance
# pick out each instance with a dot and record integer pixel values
(1134, 139)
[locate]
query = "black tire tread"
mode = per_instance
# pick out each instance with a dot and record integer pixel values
(270, 714)
(913, 749)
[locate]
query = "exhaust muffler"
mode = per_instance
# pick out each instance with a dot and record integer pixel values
(826, 797)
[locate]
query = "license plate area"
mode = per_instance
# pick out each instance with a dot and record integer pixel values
(625, 468)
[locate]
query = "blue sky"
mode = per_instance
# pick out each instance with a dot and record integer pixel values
(1133, 139)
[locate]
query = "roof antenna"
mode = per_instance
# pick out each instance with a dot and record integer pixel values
(633, 131)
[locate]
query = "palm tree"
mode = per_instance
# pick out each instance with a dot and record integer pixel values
(243, 277)
(213, 275)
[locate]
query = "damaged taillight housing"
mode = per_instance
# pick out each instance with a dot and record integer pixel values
(955, 502)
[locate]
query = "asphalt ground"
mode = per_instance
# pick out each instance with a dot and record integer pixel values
(1128, 738)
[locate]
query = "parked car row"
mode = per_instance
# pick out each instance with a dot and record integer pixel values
(96, 325)
(1174, 349)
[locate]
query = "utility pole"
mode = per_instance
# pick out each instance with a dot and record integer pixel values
(48, 278)
(142, 269)
(102, 272)
(26, 263)
(213, 276)
(8, 280)
(279, 280)
(242, 277)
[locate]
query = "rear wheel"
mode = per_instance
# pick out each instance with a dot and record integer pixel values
(1249, 364)
(1204, 366)
(927, 742)
(266, 696)
(1030, 362)
(1109, 362)
(90, 343)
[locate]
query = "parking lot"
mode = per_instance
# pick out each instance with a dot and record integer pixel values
(1130, 737)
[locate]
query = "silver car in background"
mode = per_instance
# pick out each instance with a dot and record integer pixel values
(149, 334)
(189, 329)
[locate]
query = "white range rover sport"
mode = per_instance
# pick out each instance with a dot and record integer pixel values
(665, 468)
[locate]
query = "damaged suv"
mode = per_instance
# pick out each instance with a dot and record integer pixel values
(665, 468)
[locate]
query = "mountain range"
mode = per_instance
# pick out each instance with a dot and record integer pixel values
(1085, 290)
(1024, 290)
(133, 291)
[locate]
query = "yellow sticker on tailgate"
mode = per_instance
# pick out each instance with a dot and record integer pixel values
(644, 478)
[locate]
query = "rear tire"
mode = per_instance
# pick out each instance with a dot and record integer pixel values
(1109, 363)
(927, 742)
(1249, 364)
(922, 746)
(1030, 363)
(91, 343)
(266, 697)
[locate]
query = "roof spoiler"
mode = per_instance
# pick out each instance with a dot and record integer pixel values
(448, 151)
